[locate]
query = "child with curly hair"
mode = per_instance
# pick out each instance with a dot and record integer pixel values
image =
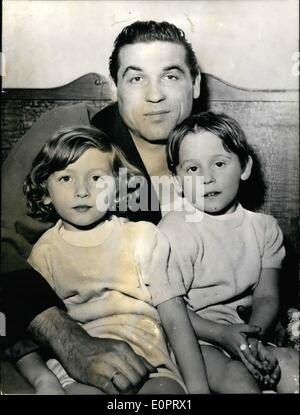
(94, 260)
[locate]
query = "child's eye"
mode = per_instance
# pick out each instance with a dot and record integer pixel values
(220, 163)
(65, 179)
(193, 169)
(95, 178)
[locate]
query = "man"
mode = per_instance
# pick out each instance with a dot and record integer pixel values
(157, 78)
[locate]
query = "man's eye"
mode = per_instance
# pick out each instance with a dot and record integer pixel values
(171, 77)
(135, 79)
(65, 179)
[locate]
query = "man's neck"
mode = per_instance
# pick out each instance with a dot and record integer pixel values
(153, 156)
(143, 144)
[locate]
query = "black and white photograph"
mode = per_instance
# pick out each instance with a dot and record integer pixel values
(150, 199)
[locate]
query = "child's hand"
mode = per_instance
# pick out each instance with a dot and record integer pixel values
(48, 385)
(270, 363)
(271, 370)
(234, 340)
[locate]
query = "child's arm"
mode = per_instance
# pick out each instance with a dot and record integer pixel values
(265, 308)
(41, 378)
(179, 330)
(265, 304)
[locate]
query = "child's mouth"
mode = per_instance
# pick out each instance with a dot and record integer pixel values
(82, 208)
(211, 194)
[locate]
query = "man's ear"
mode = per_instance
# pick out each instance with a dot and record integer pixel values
(47, 200)
(247, 169)
(196, 87)
(112, 88)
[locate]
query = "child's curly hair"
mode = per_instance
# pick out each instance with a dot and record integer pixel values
(64, 148)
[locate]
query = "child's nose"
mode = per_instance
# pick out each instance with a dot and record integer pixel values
(82, 190)
(208, 176)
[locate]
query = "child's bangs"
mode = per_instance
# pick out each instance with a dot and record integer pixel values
(69, 151)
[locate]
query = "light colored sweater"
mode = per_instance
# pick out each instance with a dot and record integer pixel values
(218, 260)
(101, 277)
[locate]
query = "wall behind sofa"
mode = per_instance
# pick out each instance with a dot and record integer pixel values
(249, 43)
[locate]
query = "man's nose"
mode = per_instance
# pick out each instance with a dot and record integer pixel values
(82, 190)
(154, 92)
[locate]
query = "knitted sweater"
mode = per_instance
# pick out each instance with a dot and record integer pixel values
(219, 260)
(101, 277)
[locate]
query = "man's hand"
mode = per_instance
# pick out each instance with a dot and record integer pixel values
(110, 365)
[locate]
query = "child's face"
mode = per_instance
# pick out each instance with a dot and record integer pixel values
(203, 154)
(73, 191)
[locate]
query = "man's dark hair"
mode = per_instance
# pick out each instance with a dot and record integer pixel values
(151, 31)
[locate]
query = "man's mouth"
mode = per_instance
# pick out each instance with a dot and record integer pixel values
(156, 113)
(82, 208)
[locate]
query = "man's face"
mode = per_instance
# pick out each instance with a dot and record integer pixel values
(155, 89)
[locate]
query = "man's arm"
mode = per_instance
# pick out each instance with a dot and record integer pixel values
(29, 301)
(24, 295)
